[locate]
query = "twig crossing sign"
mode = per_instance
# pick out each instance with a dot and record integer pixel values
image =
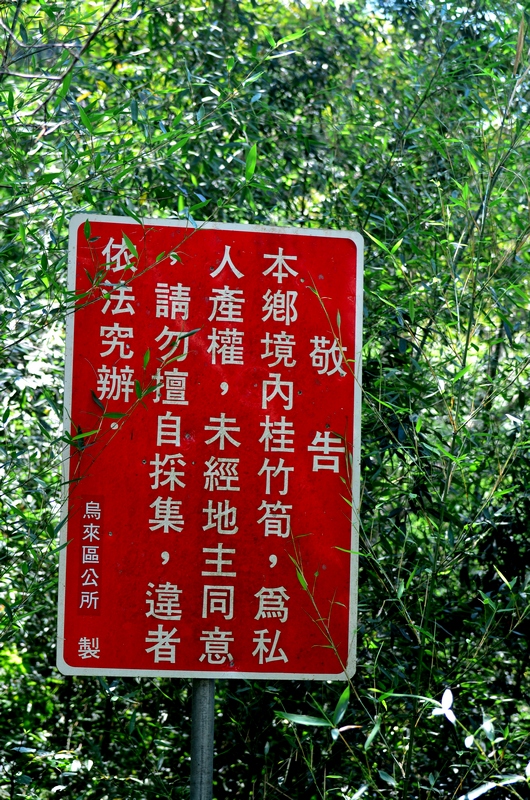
(212, 414)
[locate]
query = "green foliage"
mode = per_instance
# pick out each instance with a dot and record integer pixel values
(407, 120)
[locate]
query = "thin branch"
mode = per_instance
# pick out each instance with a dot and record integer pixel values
(12, 35)
(11, 31)
(78, 55)
(30, 77)
(40, 48)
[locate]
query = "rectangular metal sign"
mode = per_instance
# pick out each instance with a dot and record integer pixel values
(212, 397)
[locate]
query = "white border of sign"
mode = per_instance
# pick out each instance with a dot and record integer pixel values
(66, 669)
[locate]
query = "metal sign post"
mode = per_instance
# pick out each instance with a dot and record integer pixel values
(202, 739)
(212, 407)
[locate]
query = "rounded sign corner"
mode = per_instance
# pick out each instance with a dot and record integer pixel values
(76, 221)
(357, 238)
(350, 671)
(62, 666)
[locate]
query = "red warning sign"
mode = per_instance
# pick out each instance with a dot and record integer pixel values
(212, 400)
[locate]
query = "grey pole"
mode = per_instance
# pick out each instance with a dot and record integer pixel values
(202, 714)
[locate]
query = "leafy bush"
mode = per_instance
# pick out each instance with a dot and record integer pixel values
(407, 120)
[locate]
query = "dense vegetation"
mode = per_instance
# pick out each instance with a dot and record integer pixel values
(407, 120)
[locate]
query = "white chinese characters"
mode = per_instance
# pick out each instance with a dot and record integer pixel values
(118, 256)
(90, 576)
(228, 449)
(327, 449)
(327, 356)
(280, 267)
(163, 601)
(172, 301)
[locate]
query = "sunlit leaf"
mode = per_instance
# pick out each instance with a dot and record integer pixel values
(291, 37)
(250, 166)
(303, 719)
(87, 122)
(130, 245)
(269, 37)
(341, 706)
(373, 733)
(387, 778)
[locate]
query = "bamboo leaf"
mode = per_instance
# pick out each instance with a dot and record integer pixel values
(302, 719)
(341, 706)
(96, 400)
(63, 91)
(373, 733)
(269, 37)
(130, 245)
(520, 45)
(378, 242)
(250, 166)
(291, 37)
(83, 435)
(85, 119)
(387, 778)
(302, 580)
